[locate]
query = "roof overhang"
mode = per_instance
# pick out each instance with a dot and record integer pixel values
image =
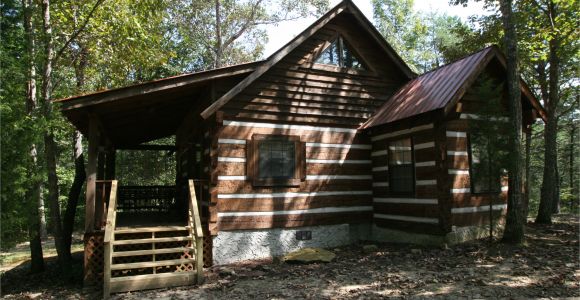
(147, 111)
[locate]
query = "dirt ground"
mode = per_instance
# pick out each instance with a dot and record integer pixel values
(547, 266)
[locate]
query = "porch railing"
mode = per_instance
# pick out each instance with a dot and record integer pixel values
(146, 198)
(109, 236)
(196, 231)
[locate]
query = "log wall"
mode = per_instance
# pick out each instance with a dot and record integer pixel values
(323, 105)
(416, 212)
(337, 188)
(467, 208)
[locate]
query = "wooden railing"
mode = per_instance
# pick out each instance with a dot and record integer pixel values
(109, 238)
(196, 231)
(156, 198)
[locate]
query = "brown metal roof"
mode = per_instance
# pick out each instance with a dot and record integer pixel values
(441, 86)
(430, 91)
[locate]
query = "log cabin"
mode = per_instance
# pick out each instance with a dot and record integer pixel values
(330, 141)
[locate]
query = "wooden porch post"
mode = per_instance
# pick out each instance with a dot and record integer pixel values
(110, 164)
(93, 150)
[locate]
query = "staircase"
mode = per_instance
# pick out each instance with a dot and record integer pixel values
(138, 258)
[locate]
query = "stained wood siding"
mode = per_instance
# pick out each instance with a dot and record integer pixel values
(298, 91)
(420, 211)
(337, 188)
(324, 106)
(467, 208)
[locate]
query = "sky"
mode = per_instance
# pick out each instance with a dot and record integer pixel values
(279, 35)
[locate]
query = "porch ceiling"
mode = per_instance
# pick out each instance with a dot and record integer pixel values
(148, 111)
(139, 119)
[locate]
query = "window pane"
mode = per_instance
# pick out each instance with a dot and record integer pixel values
(340, 54)
(330, 55)
(349, 59)
(401, 177)
(485, 170)
(276, 159)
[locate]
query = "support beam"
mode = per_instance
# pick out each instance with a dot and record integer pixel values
(110, 164)
(93, 150)
(150, 147)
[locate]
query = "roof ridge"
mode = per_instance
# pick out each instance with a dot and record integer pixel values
(488, 48)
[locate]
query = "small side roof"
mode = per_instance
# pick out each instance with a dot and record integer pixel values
(438, 88)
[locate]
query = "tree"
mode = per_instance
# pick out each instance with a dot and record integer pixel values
(556, 24)
(37, 221)
(227, 32)
(514, 228)
(421, 39)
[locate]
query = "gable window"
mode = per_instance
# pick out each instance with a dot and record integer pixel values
(339, 54)
(401, 168)
(275, 160)
(485, 169)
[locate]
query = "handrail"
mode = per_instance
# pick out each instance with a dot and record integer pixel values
(196, 231)
(109, 238)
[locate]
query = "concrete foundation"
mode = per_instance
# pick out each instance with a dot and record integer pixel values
(239, 245)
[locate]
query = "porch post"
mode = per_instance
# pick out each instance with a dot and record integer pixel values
(93, 150)
(110, 164)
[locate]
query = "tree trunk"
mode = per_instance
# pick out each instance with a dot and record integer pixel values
(556, 202)
(50, 147)
(571, 166)
(527, 175)
(514, 229)
(74, 193)
(34, 192)
(218, 42)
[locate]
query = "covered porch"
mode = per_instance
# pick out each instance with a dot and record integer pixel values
(146, 234)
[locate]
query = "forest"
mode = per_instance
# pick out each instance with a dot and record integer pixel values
(58, 49)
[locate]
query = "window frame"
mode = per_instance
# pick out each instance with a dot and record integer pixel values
(410, 193)
(253, 157)
(488, 191)
(341, 43)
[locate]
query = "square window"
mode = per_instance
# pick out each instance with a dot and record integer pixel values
(275, 160)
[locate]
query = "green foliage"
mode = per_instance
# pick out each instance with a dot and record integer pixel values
(420, 39)
(16, 133)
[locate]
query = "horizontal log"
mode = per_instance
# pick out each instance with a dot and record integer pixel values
(346, 104)
(289, 221)
(414, 210)
(281, 204)
(303, 96)
(314, 75)
(474, 219)
(245, 133)
(456, 144)
(426, 173)
(413, 227)
(469, 200)
(458, 162)
(234, 187)
(460, 181)
(289, 117)
(289, 109)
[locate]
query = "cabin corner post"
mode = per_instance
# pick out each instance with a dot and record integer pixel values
(444, 182)
(93, 152)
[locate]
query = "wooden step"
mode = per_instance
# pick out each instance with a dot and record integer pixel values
(152, 264)
(150, 229)
(151, 252)
(152, 240)
(151, 281)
